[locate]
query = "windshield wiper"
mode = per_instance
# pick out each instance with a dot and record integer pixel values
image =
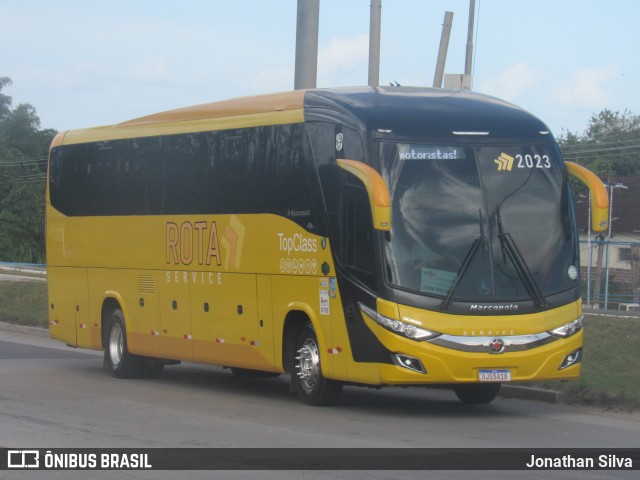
(461, 273)
(510, 249)
(466, 263)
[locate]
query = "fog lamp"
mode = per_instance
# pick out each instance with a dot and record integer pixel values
(572, 359)
(410, 363)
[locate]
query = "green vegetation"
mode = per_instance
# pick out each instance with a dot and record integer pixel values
(23, 166)
(24, 303)
(609, 373)
(609, 147)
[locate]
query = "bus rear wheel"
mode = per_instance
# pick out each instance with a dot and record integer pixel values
(477, 393)
(117, 357)
(312, 387)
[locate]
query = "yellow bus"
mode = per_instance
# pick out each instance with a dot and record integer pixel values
(366, 236)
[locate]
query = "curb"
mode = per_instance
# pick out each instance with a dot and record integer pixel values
(20, 268)
(35, 331)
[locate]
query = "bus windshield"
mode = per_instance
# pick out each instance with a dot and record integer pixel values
(478, 223)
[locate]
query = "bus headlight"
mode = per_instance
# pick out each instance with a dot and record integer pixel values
(568, 329)
(396, 326)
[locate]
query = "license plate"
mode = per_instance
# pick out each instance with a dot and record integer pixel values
(495, 375)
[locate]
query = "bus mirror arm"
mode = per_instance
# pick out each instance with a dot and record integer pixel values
(379, 197)
(599, 197)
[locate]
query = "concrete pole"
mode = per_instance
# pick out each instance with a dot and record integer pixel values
(306, 69)
(374, 42)
(597, 285)
(468, 61)
(444, 47)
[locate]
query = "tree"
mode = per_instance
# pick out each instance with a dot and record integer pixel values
(610, 146)
(23, 151)
(5, 101)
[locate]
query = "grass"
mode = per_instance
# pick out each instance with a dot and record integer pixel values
(609, 371)
(24, 303)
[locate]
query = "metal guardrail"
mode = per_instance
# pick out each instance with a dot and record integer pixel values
(34, 268)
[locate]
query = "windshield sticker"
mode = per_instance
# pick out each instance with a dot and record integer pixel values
(429, 152)
(325, 304)
(437, 282)
(533, 161)
(332, 287)
(573, 272)
(506, 162)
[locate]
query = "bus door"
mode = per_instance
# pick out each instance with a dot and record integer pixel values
(242, 324)
(207, 319)
(69, 307)
(358, 285)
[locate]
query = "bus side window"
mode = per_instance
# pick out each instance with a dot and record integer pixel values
(357, 235)
(232, 158)
(287, 188)
(142, 187)
(184, 174)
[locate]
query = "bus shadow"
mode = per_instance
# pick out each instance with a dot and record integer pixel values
(390, 401)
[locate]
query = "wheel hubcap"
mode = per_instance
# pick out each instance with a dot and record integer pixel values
(116, 345)
(308, 364)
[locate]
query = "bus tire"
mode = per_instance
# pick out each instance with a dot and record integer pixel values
(477, 393)
(312, 387)
(117, 357)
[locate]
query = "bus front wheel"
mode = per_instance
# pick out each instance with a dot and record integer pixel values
(312, 387)
(477, 393)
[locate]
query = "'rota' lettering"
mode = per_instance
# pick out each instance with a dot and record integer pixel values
(188, 240)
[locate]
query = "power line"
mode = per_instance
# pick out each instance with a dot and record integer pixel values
(22, 182)
(23, 163)
(601, 149)
(610, 150)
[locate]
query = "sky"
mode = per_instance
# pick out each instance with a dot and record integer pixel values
(89, 63)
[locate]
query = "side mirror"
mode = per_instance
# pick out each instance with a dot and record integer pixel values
(599, 197)
(379, 197)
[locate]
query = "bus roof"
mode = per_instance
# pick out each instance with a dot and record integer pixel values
(418, 112)
(407, 111)
(278, 108)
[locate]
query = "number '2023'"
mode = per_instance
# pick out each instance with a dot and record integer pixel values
(533, 161)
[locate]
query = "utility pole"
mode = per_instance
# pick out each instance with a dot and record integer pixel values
(306, 69)
(444, 47)
(374, 42)
(468, 61)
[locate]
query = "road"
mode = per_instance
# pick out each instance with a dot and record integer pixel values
(55, 396)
